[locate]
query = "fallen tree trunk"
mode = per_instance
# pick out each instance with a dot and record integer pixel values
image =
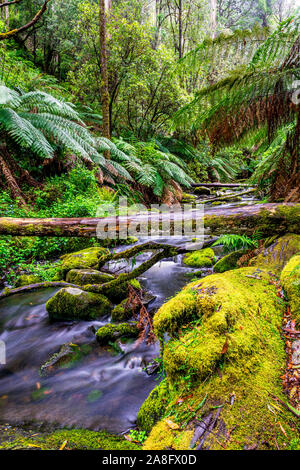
(228, 196)
(268, 219)
(221, 185)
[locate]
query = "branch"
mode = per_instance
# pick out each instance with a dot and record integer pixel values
(7, 4)
(13, 32)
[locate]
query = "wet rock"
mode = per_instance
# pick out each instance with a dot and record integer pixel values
(70, 303)
(122, 311)
(296, 352)
(82, 277)
(84, 259)
(110, 333)
(201, 190)
(151, 367)
(67, 356)
(228, 262)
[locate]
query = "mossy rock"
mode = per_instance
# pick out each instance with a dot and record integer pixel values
(216, 203)
(225, 350)
(84, 259)
(228, 262)
(153, 407)
(188, 198)
(82, 277)
(68, 355)
(120, 292)
(290, 280)
(110, 332)
(27, 279)
(201, 190)
(122, 311)
(278, 253)
(70, 303)
(74, 439)
(200, 259)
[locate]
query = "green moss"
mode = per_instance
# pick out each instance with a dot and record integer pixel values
(290, 279)
(201, 190)
(229, 346)
(200, 259)
(122, 312)
(68, 355)
(110, 332)
(120, 292)
(278, 253)
(81, 277)
(228, 262)
(154, 407)
(74, 304)
(75, 439)
(27, 279)
(84, 259)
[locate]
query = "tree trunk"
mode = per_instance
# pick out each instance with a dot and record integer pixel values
(104, 74)
(11, 181)
(267, 219)
(213, 18)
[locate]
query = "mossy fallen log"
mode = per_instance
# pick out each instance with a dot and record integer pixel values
(268, 219)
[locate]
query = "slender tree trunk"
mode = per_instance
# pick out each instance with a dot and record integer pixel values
(104, 74)
(213, 18)
(11, 181)
(180, 28)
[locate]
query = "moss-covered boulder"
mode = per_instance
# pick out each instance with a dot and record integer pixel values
(82, 277)
(277, 255)
(120, 292)
(200, 259)
(290, 280)
(228, 262)
(110, 332)
(27, 279)
(153, 407)
(70, 303)
(68, 355)
(122, 311)
(201, 190)
(224, 358)
(84, 259)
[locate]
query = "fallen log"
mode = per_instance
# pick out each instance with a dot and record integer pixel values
(228, 196)
(221, 185)
(269, 219)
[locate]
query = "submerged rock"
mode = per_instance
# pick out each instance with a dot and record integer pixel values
(228, 262)
(70, 303)
(110, 332)
(84, 259)
(200, 259)
(68, 354)
(82, 277)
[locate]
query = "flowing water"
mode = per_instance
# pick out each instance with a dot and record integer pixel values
(106, 388)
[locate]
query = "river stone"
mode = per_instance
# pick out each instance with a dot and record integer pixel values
(110, 332)
(84, 259)
(201, 190)
(228, 262)
(200, 258)
(296, 353)
(82, 277)
(70, 303)
(68, 355)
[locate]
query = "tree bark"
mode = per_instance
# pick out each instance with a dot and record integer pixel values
(268, 219)
(104, 74)
(11, 181)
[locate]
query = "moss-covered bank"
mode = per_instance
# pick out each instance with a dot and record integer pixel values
(224, 360)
